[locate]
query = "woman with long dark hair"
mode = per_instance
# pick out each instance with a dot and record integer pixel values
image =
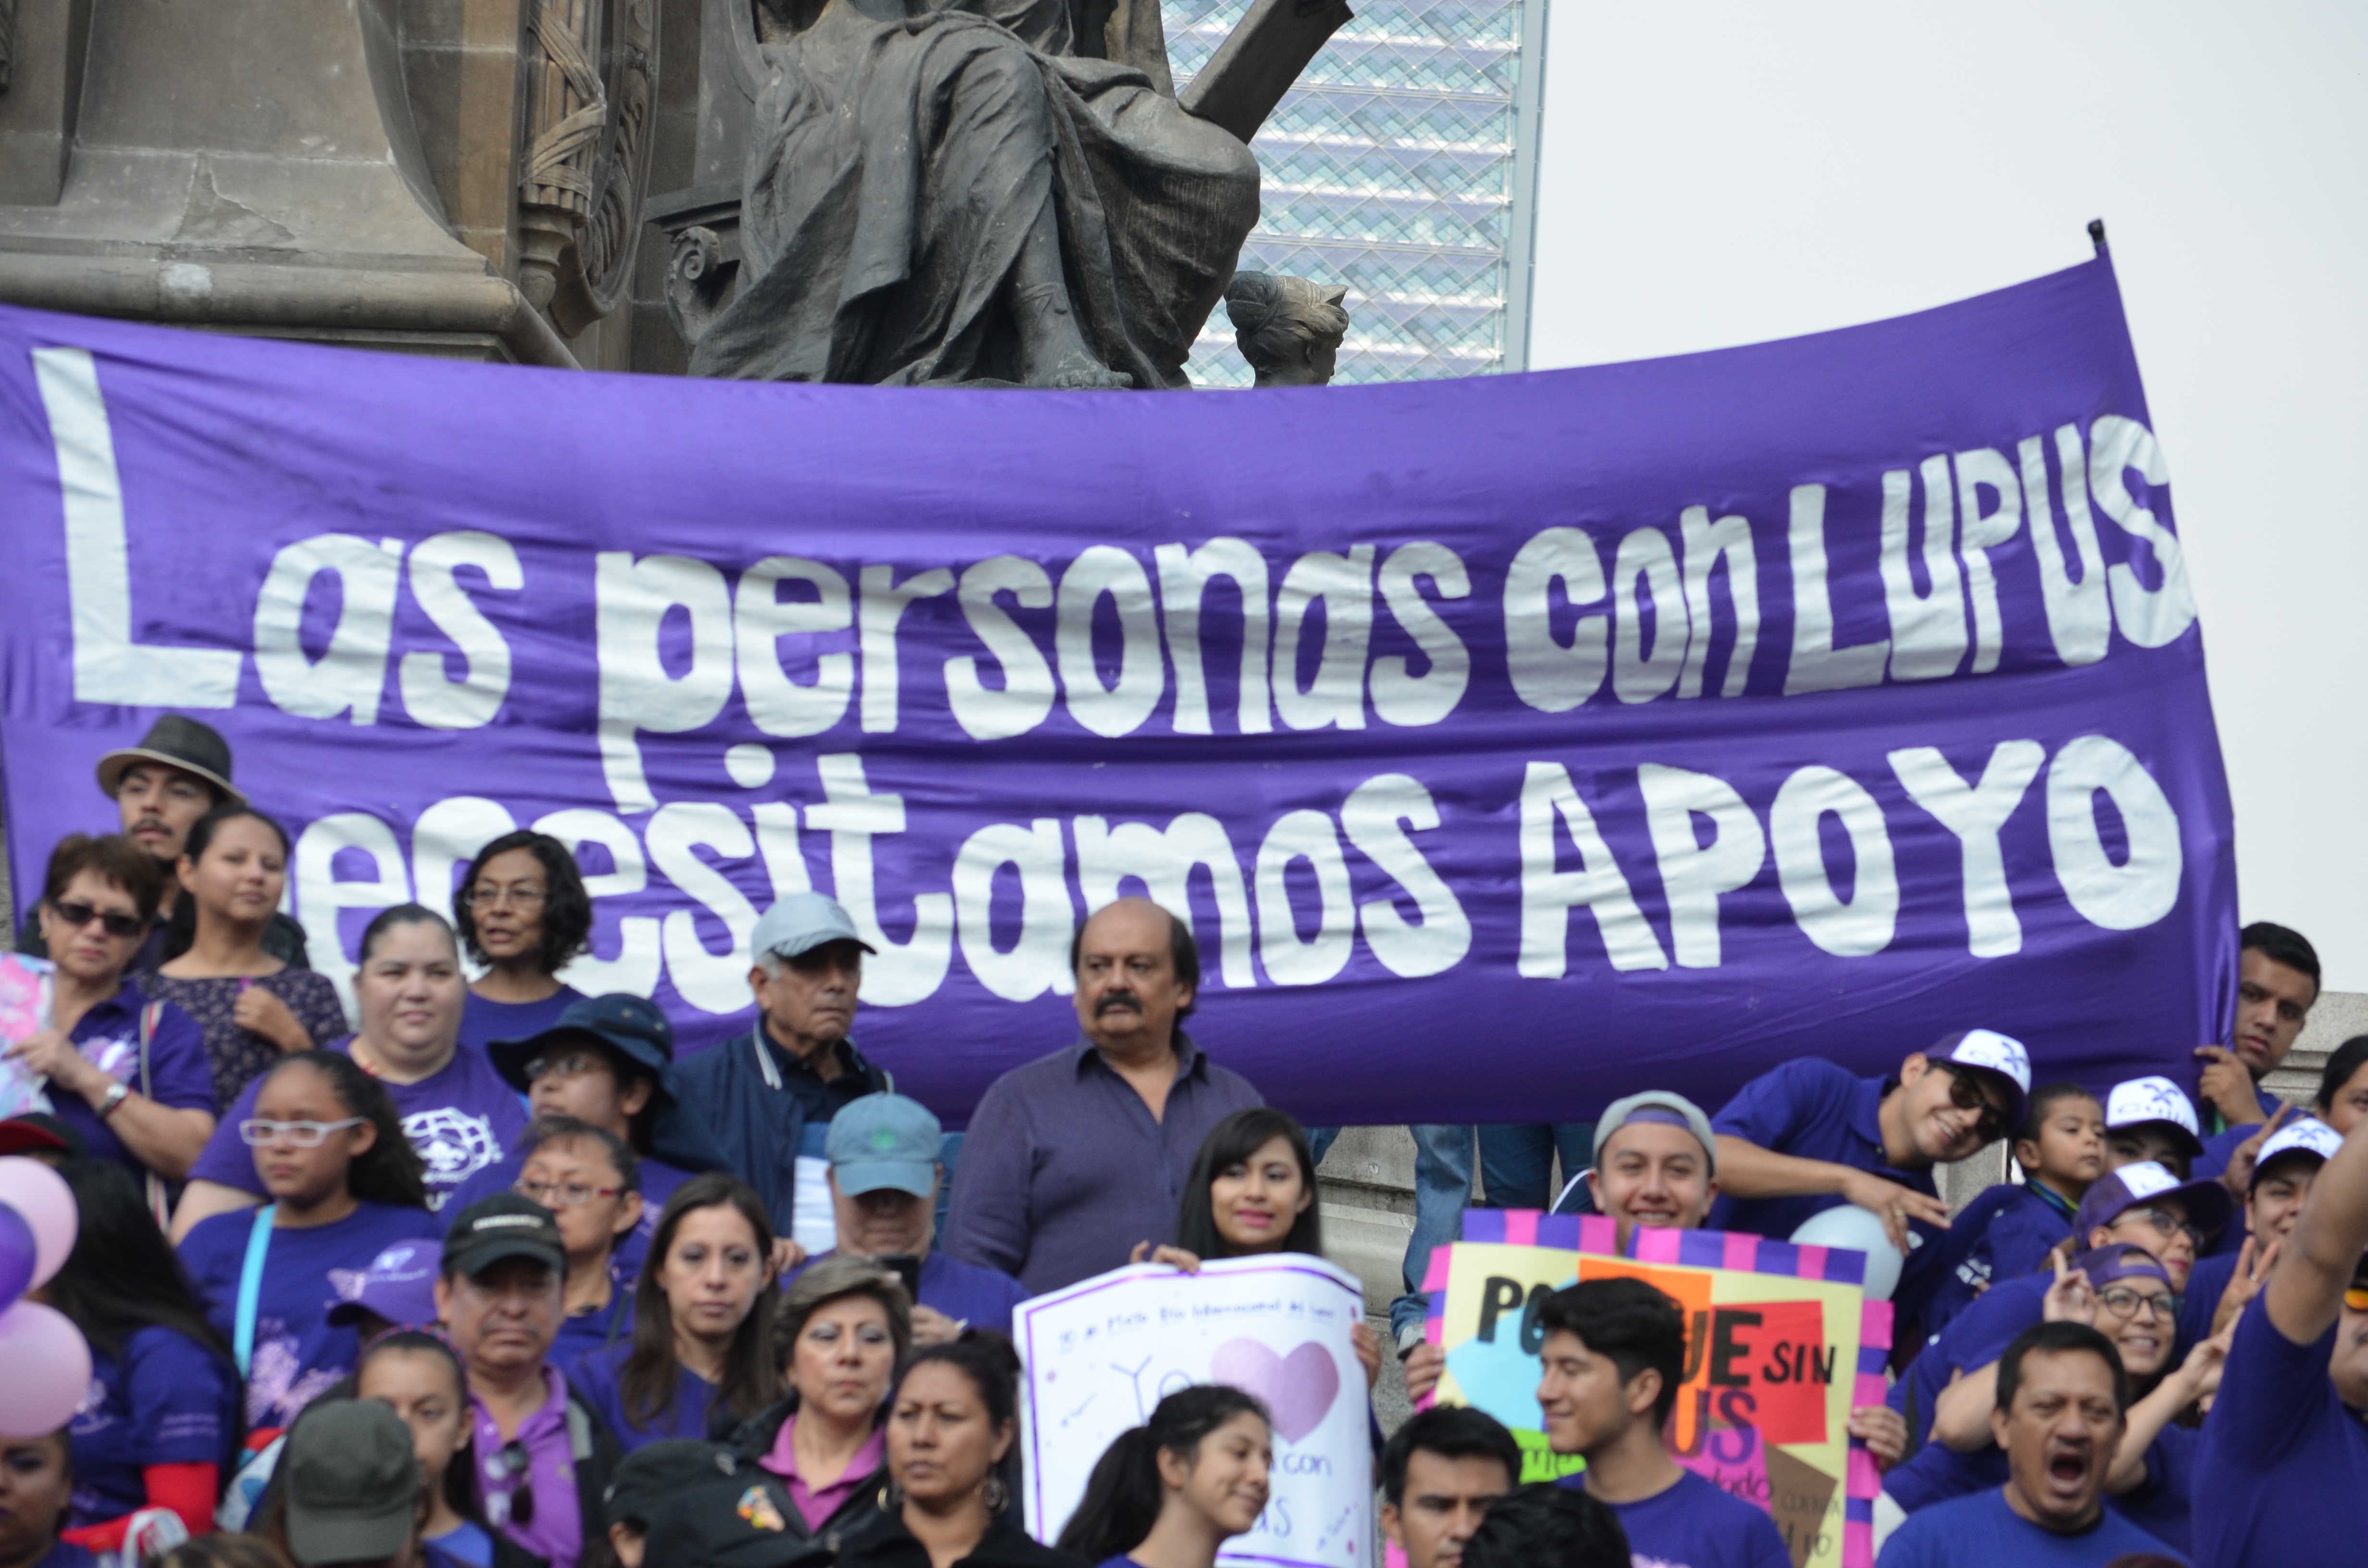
(342, 1183)
(1169, 1493)
(702, 1316)
(162, 1422)
(1252, 1194)
(416, 1372)
(953, 1493)
(253, 1008)
(521, 912)
(410, 990)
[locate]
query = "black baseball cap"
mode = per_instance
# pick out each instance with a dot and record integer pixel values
(652, 1478)
(352, 1484)
(503, 1226)
(631, 1027)
(736, 1521)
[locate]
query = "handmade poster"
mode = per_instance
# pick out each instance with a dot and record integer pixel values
(25, 988)
(1100, 1357)
(1781, 1344)
(1817, 697)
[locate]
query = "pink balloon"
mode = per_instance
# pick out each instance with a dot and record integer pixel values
(49, 1369)
(46, 1203)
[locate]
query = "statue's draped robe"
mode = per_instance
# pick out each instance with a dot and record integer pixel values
(896, 167)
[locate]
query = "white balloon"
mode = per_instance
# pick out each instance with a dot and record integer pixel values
(1847, 1226)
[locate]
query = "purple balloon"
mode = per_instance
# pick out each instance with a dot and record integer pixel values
(49, 1369)
(17, 1254)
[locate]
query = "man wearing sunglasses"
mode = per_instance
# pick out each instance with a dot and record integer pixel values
(2284, 1446)
(543, 1457)
(1812, 1135)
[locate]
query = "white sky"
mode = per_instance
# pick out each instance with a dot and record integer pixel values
(1715, 173)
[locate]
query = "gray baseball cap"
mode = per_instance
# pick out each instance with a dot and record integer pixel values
(353, 1485)
(881, 1142)
(800, 923)
(1657, 1105)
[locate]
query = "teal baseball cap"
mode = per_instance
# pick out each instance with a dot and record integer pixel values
(884, 1141)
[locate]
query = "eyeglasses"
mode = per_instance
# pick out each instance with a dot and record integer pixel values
(78, 915)
(2124, 1302)
(295, 1134)
(2167, 1224)
(1965, 1094)
(515, 1507)
(573, 1066)
(561, 1194)
(484, 897)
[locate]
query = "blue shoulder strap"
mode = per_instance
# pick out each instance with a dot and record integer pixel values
(250, 1286)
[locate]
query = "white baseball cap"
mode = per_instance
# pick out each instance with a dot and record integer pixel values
(2138, 1101)
(2306, 1135)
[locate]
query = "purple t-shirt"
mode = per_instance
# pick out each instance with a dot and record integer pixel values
(1696, 1524)
(597, 1378)
(2287, 1461)
(461, 1119)
(298, 1353)
(167, 1401)
(1984, 1531)
(483, 1022)
(1811, 1109)
(108, 1037)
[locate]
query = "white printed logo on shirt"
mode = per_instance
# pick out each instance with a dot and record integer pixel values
(455, 1146)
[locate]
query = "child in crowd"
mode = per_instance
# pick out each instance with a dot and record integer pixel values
(162, 1421)
(697, 1348)
(36, 1475)
(418, 1376)
(343, 1185)
(2152, 1118)
(1169, 1494)
(2007, 1231)
(585, 1176)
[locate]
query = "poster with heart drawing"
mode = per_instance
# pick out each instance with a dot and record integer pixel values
(1101, 1356)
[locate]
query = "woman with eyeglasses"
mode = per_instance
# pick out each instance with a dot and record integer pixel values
(162, 1422)
(698, 1360)
(521, 912)
(130, 1075)
(2126, 1294)
(462, 1117)
(585, 1176)
(328, 1151)
(952, 1491)
(252, 1007)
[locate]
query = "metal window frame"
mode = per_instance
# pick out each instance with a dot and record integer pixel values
(1521, 221)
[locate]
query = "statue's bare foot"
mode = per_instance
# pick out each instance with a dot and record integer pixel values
(1053, 352)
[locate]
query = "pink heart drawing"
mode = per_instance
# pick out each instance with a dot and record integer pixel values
(1298, 1389)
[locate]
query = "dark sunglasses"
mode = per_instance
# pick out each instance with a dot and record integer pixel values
(78, 915)
(517, 1504)
(1965, 1094)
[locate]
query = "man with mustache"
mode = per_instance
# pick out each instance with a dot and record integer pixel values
(2062, 1402)
(765, 1100)
(1074, 1157)
(178, 772)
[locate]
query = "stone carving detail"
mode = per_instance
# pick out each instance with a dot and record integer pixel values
(1288, 329)
(698, 280)
(587, 158)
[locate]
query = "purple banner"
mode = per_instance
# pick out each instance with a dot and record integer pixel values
(1513, 742)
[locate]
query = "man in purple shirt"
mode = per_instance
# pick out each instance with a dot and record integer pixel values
(542, 1458)
(1074, 1157)
(2284, 1447)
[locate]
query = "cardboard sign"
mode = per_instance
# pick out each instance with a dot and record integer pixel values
(1781, 1344)
(1100, 1357)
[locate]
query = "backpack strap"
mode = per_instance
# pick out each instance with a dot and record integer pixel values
(250, 1286)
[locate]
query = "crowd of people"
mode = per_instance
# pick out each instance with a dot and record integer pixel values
(489, 1278)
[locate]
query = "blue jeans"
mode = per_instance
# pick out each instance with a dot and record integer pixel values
(1517, 1162)
(1442, 1185)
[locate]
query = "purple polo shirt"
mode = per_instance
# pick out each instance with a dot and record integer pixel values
(1811, 1109)
(179, 1076)
(1065, 1167)
(556, 1532)
(816, 1504)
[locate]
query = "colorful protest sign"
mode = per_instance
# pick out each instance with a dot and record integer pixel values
(1781, 1344)
(1100, 1354)
(1819, 696)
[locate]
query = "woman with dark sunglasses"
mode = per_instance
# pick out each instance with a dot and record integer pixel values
(130, 1076)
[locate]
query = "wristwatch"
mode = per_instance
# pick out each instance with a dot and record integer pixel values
(116, 1094)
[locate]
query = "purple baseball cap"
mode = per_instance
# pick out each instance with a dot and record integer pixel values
(2208, 1205)
(399, 1285)
(2120, 1260)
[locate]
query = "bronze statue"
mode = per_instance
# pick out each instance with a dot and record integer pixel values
(1288, 329)
(998, 192)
